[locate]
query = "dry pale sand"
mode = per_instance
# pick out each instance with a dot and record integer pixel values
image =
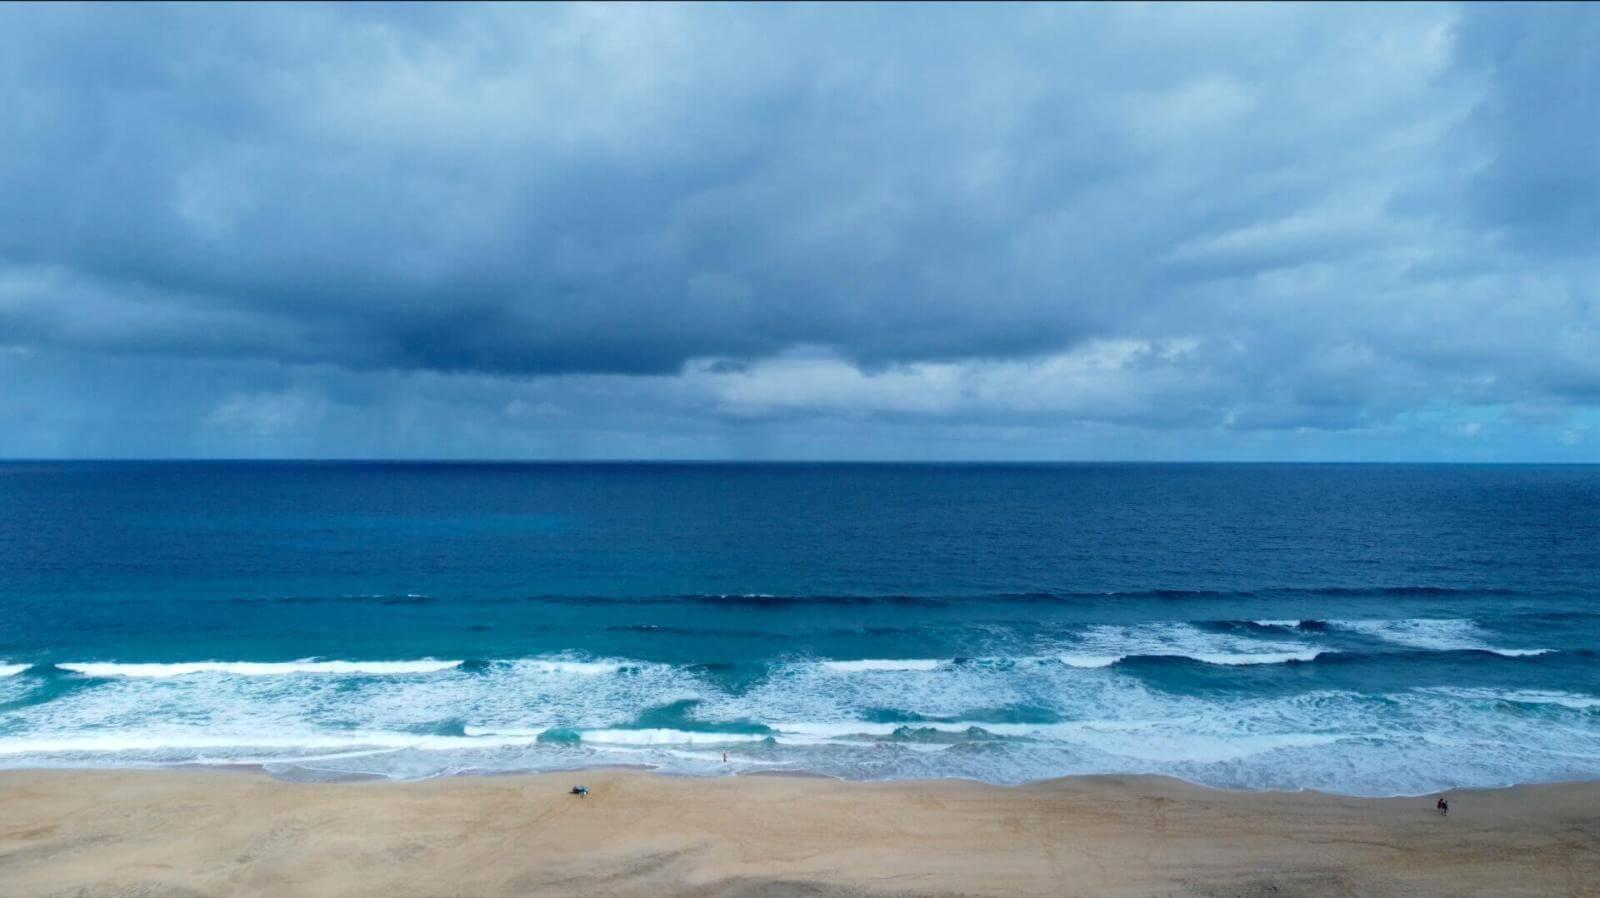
(213, 833)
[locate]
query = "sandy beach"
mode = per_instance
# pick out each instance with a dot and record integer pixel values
(149, 833)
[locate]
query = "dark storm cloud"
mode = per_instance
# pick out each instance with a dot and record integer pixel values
(653, 223)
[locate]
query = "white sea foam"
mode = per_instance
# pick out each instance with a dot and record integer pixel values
(1289, 624)
(825, 716)
(581, 668)
(1091, 660)
(884, 664)
(515, 732)
(1168, 744)
(1182, 738)
(1573, 700)
(259, 668)
(842, 729)
(1223, 658)
(835, 729)
(8, 670)
(1443, 634)
(1172, 641)
(1100, 646)
(1257, 658)
(1433, 634)
(666, 737)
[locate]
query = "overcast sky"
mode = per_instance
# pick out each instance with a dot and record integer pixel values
(1029, 232)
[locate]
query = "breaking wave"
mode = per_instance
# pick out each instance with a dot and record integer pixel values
(257, 668)
(1097, 698)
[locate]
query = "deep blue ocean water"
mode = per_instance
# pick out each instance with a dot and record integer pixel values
(1370, 629)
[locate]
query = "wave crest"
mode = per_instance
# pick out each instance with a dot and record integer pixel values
(884, 664)
(256, 668)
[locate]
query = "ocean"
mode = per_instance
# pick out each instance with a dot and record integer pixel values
(1362, 629)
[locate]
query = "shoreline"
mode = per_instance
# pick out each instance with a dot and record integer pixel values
(338, 778)
(195, 832)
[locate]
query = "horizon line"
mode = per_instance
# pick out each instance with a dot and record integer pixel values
(777, 461)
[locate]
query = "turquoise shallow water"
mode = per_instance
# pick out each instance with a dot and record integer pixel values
(1362, 629)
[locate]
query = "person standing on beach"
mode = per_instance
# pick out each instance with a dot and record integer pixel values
(1443, 807)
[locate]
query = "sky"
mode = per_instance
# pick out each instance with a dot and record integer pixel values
(1033, 232)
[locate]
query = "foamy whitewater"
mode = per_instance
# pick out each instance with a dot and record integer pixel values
(899, 622)
(1098, 703)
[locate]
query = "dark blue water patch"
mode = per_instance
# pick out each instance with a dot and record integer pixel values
(680, 632)
(777, 601)
(453, 726)
(1368, 673)
(673, 716)
(1000, 714)
(751, 601)
(55, 674)
(1392, 591)
(353, 599)
(680, 715)
(733, 678)
(891, 715)
(938, 735)
(295, 525)
(858, 633)
(1176, 594)
(1564, 617)
(46, 683)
